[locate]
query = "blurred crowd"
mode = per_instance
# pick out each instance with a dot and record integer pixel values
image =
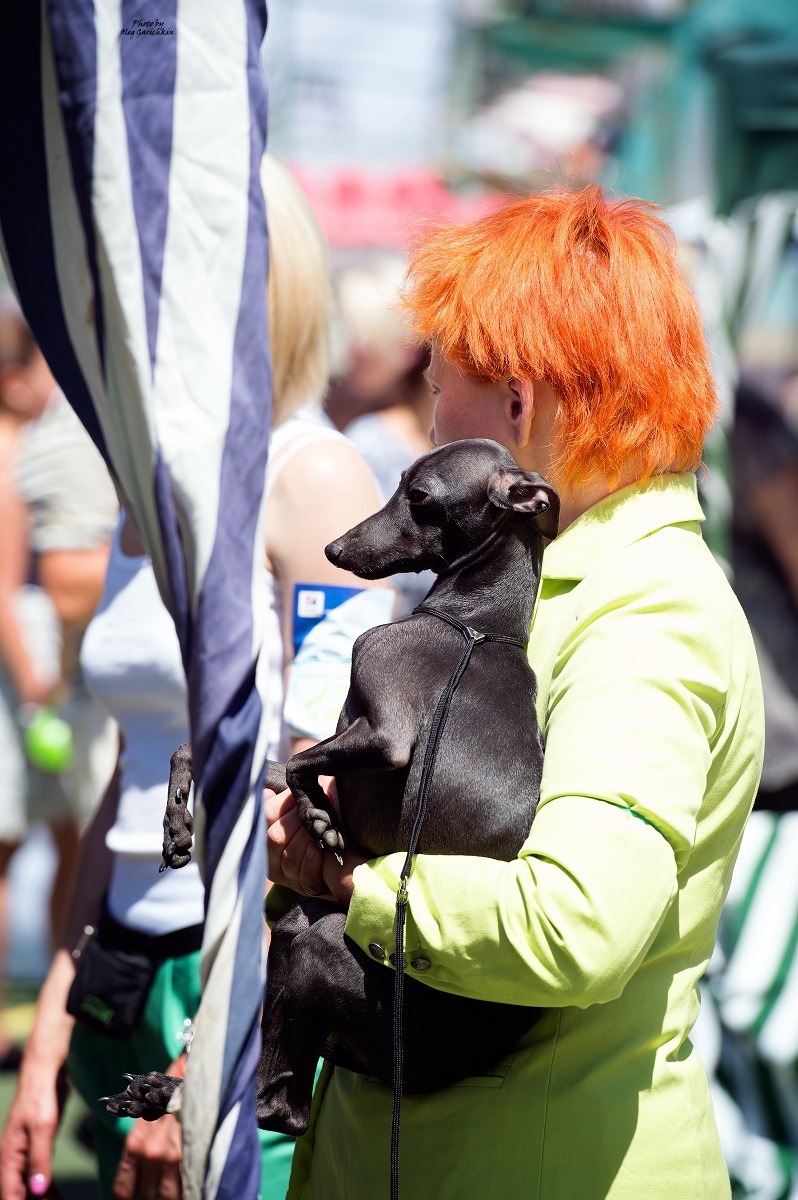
(58, 510)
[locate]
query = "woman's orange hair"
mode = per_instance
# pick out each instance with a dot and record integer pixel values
(586, 295)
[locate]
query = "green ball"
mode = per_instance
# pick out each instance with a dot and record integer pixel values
(48, 742)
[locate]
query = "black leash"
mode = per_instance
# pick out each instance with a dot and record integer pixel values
(472, 639)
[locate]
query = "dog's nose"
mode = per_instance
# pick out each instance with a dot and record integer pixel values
(333, 551)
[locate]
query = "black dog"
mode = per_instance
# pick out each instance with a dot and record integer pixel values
(467, 512)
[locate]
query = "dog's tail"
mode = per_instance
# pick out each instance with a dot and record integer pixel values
(275, 776)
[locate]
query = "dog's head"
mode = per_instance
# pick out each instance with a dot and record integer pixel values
(448, 504)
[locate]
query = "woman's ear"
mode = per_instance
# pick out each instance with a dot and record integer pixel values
(521, 409)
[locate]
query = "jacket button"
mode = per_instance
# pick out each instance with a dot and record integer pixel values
(421, 964)
(376, 951)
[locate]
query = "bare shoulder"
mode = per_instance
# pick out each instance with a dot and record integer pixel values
(325, 467)
(323, 490)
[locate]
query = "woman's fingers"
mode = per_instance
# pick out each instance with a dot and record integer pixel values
(170, 1185)
(14, 1166)
(282, 829)
(149, 1179)
(124, 1187)
(287, 841)
(26, 1152)
(311, 877)
(40, 1158)
(294, 857)
(149, 1168)
(157, 1180)
(279, 838)
(278, 804)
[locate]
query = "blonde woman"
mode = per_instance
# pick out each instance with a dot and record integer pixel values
(317, 486)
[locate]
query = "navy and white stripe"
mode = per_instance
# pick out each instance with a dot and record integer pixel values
(133, 228)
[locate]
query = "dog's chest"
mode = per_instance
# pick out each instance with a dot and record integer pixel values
(485, 776)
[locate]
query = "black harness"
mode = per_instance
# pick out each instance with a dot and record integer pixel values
(472, 639)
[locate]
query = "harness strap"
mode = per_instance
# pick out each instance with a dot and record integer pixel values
(472, 638)
(466, 630)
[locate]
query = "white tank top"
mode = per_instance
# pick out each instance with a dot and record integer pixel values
(131, 662)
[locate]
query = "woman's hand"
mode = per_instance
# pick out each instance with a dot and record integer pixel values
(296, 861)
(149, 1168)
(26, 1149)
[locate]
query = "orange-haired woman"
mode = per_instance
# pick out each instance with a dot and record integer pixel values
(562, 328)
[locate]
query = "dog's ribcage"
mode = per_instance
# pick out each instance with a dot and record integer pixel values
(490, 756)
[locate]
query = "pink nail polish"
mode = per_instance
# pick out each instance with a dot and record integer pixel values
(37, 1184)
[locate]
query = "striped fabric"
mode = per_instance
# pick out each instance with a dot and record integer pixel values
(758, 991)
(748, 1031)
(133, 229)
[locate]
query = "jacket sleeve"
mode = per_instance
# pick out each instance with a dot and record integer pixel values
(636, 699)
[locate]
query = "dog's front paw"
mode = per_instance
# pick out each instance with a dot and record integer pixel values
(320, 824)
(148, 1096)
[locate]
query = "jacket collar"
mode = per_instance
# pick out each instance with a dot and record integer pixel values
(619, 519)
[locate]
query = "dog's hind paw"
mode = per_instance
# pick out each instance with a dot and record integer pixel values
(278, 1116)
(148, 1096)
(178, 823)
(325, 832)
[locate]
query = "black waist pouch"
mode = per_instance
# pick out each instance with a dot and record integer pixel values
(116, 969)
(110, 988)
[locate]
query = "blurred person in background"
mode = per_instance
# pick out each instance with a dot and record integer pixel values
(753, 983)
(382, 398)
(64, 507)
(72, 511)
(29, 642)
(317, 486)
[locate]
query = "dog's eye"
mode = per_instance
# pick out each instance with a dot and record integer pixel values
(417, 496)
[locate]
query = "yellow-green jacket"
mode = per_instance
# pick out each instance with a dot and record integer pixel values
(651, 709)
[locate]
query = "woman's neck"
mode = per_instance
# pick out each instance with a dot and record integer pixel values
(577, 500)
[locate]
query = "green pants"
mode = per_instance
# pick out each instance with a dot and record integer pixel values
(96, 1064)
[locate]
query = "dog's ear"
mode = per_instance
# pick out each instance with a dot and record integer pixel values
(527, 493)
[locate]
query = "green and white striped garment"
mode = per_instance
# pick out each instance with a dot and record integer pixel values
(747, 1034)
